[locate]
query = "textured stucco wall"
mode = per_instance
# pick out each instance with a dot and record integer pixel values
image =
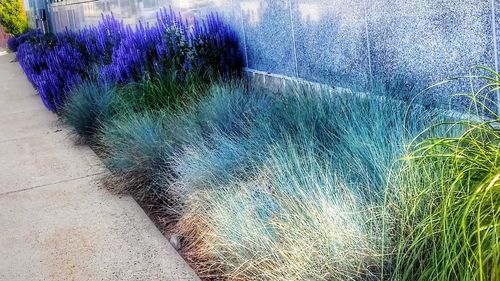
(338, 42)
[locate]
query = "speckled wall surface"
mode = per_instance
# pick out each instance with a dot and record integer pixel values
(337, 42)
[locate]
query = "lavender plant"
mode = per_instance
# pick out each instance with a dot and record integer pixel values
(56, 63)
(14, 42)
(209, 46)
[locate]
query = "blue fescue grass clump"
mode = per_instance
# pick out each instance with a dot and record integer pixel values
(296, 220)
(89, 106)
(137, 149)
(257, 190)
(56, 63)
(348, 127)
(142, 149)
(219, 143)
(229, 109)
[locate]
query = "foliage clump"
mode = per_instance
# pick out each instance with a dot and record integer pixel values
(446, 197)
(13, 17)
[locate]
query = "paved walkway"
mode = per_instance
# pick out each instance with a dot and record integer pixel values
(56, 221)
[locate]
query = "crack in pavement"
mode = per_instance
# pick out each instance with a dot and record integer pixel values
(53, 183)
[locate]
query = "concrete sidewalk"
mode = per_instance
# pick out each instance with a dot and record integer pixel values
(56, 221)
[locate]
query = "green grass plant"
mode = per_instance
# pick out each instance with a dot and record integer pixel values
(165, 90)
(446, 198)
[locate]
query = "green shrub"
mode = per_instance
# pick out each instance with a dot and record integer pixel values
(13, 17)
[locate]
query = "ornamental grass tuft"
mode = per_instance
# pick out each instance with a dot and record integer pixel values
(136, 150)
(298, 194)
(446, 198)
(88, 107)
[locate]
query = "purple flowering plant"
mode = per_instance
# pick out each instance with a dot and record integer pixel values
(117, 53)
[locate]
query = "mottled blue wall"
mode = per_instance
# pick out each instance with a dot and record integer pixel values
(338, 42)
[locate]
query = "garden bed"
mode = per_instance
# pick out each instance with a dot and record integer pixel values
(301, 183)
